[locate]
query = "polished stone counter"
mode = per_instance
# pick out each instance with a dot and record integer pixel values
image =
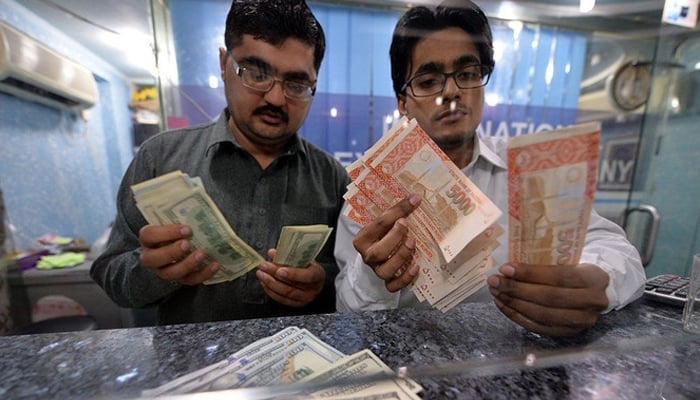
(471, 352)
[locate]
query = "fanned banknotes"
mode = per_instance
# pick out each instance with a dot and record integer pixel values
(176, 198)
(290, 356)
(551, 183)
(300, 244)
(452, 214)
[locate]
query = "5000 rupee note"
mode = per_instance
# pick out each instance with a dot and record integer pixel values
(551, 183)
(453, 210)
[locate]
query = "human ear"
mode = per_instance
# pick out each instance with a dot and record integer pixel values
(401, 103)
(223, 55)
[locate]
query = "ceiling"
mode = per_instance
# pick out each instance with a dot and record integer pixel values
(119, 31)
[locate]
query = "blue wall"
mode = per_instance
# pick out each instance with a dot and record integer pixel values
(59, 174)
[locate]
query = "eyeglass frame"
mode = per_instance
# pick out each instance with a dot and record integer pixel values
(311, 85)
(486, 70)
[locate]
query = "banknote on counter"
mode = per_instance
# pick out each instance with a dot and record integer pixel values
(363, 364)
(551, 183)
(299, 245)
(177, 198)
(290, 356)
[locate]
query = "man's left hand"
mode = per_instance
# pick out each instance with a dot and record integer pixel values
(293, 287)
(552, 300)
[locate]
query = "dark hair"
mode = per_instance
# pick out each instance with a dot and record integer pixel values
(274, 21)
(420, 21)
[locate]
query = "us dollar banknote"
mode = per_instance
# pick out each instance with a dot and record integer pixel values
(177, 198)
(300, 244)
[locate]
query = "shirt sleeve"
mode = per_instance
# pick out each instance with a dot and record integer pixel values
(357, 287)
(118, 269)
(607, 247)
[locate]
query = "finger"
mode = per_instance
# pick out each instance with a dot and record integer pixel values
(568, 276)
(548, 296)
(385, 222)
(407, 276)
(396, 263)
(152, 236)
(166, 254)
(283, 292)
(383, 249)
(551, 322)
(204, 272)
(311, 277)
(180, 270)
(271, 253)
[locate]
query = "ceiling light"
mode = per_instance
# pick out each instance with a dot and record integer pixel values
(586, 5)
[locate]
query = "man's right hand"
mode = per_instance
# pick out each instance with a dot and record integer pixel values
(167, 251)
(385, 246)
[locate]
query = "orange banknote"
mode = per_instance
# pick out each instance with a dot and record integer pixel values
(551, 184)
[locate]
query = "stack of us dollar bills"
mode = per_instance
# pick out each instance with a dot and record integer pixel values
(177, 198)
(296, 356)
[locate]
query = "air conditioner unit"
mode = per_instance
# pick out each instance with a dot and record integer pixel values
(30, 70)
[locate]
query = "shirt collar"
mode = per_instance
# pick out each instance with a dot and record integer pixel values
(222, 133)
(490, 150)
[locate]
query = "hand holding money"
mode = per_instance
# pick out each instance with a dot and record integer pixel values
(552, 178)
(176, 198)
(421, 216)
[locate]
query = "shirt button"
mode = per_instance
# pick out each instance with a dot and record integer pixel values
(259, 245)
(261, 211)
(262, 181)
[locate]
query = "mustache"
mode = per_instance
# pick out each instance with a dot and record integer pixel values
(448, 108)
(269, 109)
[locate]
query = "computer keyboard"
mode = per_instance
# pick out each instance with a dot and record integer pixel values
(667, 288)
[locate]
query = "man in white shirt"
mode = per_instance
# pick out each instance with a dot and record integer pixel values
(441, 58)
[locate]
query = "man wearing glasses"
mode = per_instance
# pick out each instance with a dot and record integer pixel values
(441, 59)
(257, 169)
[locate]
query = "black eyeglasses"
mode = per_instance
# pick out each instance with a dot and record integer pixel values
(432, 83)
(263, 82)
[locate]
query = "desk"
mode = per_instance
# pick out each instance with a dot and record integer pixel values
(639, 352)
(26, 287)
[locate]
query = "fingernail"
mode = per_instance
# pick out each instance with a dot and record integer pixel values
(413, 271)
(402, 222)
(499, 303)
(282, 273)
(411, 243)
(414, 199)
(199, 257)
(493, 281)
(507, 270)
(185, 231)
(259, 274)
(215, 268)
(185, 245)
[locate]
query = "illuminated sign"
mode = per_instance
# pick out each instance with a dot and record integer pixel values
(681, 12)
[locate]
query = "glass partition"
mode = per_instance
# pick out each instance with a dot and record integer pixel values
(628, 70)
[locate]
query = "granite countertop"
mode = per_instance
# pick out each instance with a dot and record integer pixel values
(472, 352)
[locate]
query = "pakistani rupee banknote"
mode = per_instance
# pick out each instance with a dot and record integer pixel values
(455, 226)
(551, 183)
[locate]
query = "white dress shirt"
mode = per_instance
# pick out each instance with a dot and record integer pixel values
(359, 288)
